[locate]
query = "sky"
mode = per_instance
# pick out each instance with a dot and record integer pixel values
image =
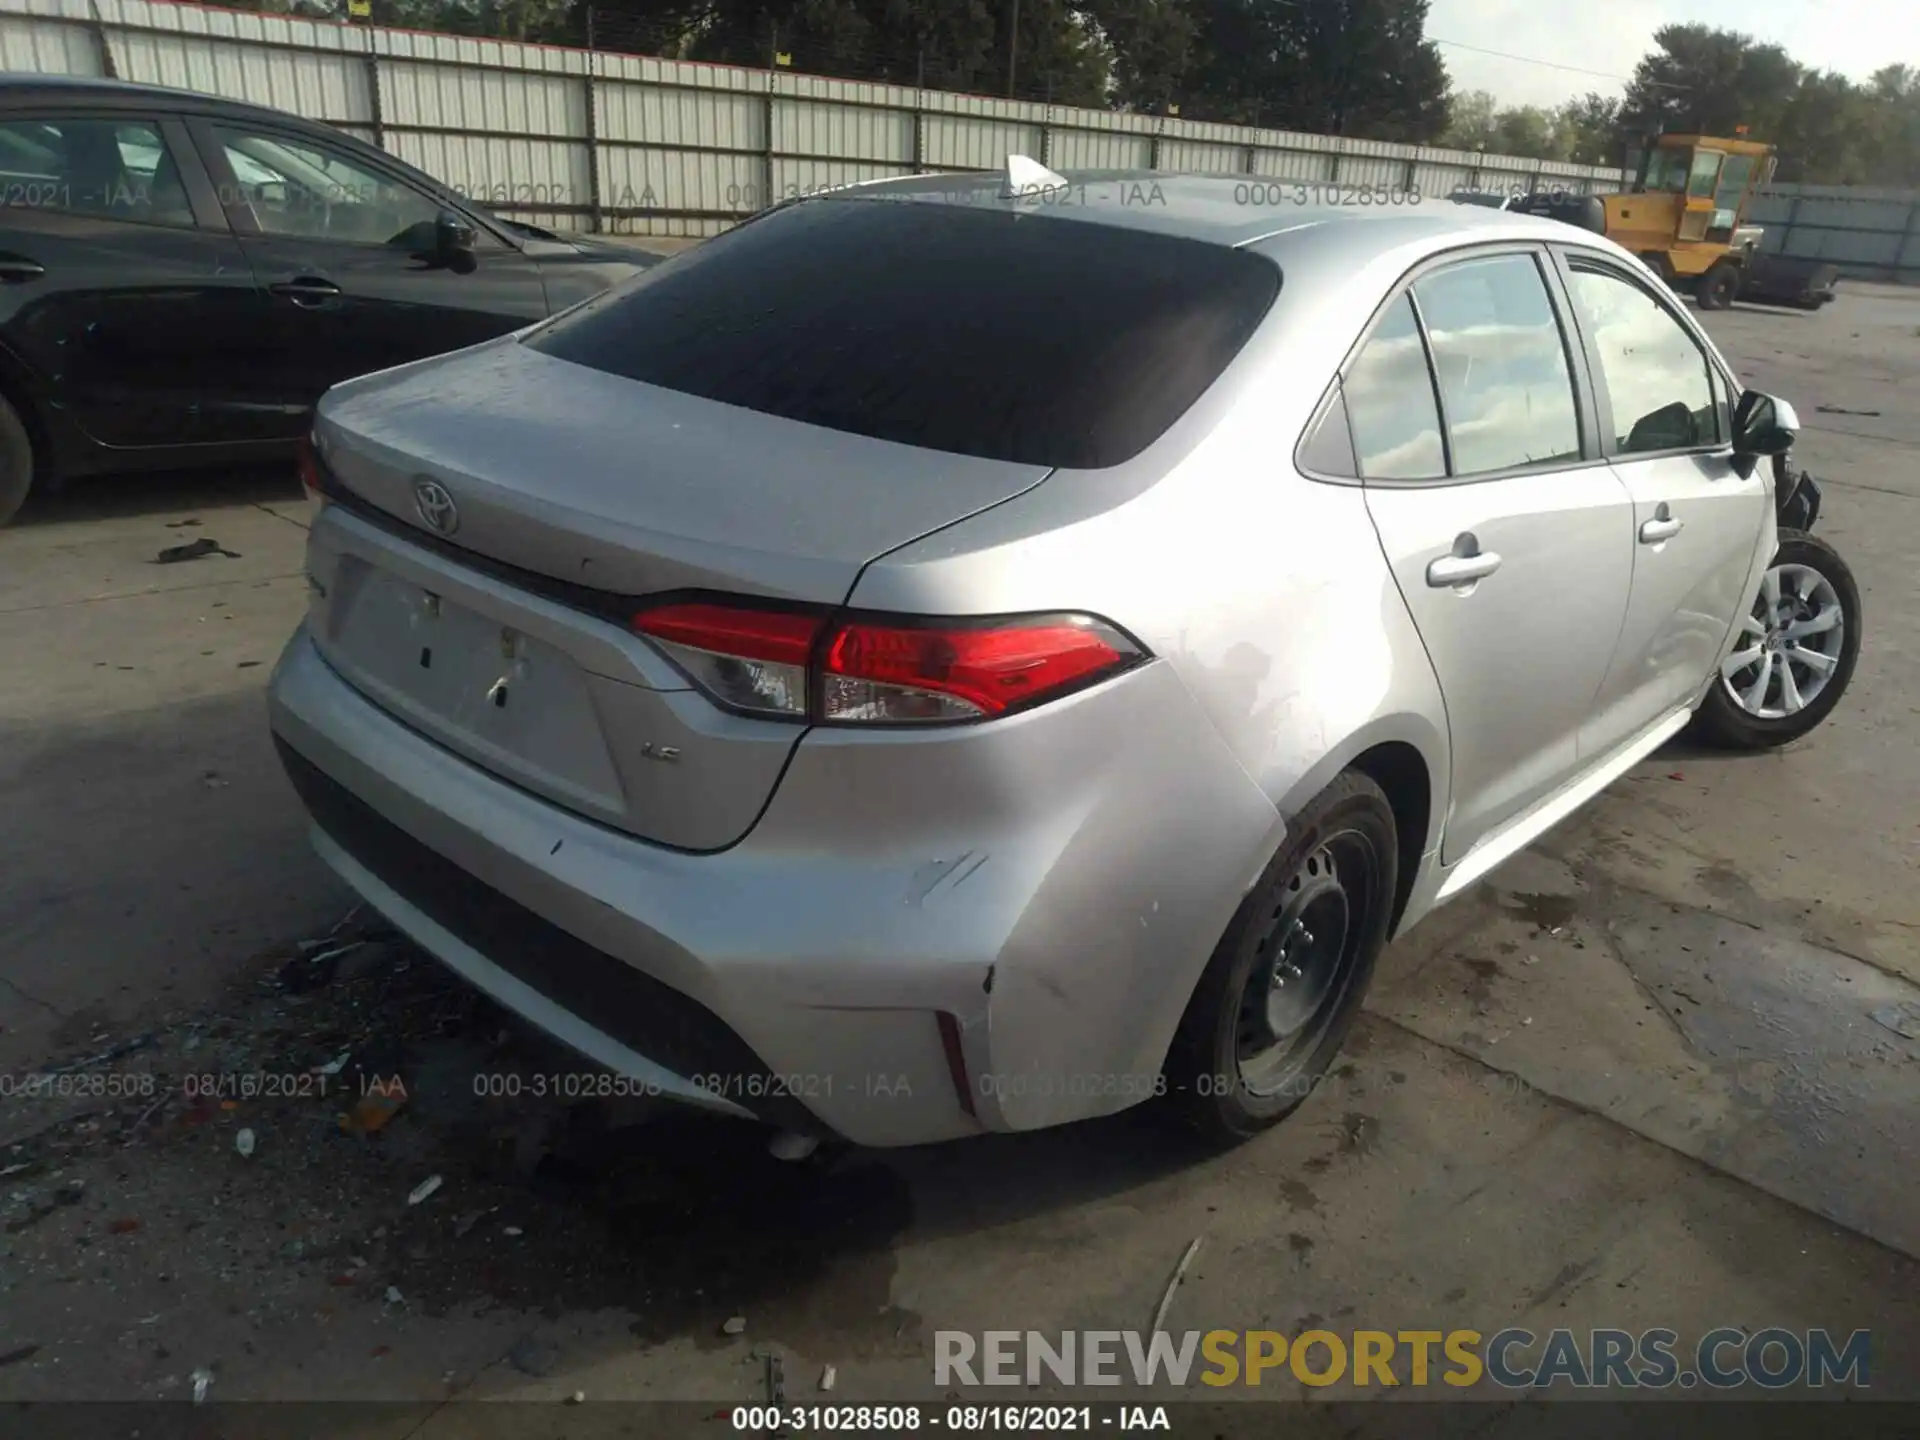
(1855, 37)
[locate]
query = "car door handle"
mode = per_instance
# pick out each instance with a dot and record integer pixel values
(1661, 527)
(307, 291)
(16, 268)
(1461, 569)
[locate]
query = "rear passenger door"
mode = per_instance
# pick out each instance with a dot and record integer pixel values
(1666, 425)
(343, 247)
(122, 293)
(1510, 539)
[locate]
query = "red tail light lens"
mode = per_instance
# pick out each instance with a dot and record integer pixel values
(308, 464)
(752, 660)
(896, 673)
(883, 670)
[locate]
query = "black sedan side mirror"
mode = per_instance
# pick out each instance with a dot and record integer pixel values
(1762, 425)
(453, 242)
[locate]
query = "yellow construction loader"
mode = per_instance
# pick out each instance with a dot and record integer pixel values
(1685, 216)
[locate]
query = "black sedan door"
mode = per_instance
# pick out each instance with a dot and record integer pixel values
(127, 308)
(344, 249)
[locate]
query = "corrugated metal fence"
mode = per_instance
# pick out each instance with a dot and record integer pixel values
(585, 139)
(1869, 234)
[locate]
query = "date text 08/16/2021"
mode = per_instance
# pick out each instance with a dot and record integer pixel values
(957, 1419)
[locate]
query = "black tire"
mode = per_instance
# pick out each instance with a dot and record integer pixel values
(1721, 719)
(1718, 286)
(16, 461)
(1351, 824)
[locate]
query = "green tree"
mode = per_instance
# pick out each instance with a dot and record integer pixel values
(1590, 130)
(1711, 82)
(1344, 67)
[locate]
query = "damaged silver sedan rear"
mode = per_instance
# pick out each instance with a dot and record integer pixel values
(923, 664)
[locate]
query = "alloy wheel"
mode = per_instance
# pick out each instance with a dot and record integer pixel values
(1789, 648)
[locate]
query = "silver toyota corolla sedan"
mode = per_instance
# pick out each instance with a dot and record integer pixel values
(940, 659)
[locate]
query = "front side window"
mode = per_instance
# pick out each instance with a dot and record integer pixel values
(1502, 363)
(1657, 376)
(308, 192)
(1389, 395)
(108, 169)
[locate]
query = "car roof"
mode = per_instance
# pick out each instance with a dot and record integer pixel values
(1234, 210)
(17, 88)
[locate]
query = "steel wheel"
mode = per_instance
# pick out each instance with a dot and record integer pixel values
(1305, 962)
(1789, 648)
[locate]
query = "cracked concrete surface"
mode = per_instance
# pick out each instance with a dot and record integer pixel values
(1634, 1080)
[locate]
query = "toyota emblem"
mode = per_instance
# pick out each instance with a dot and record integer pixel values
(436, 506)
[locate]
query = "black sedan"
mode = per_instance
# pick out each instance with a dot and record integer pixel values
(182, 276)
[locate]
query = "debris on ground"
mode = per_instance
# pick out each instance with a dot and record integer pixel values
(17, 1354)
(1166, 1297)
(125, 1225)
(335, 1065)
(202, 1382)
(466, 1222)
(512, 1232)
(1903, 1019)
(394, 1297)
(423, 1190)
(533, 1356)
(193, 550)
(183, 524)
(1842, 410)
(213, 780)
(579, 1397)
(371, 1112)
(306, 973)
(112, 1052)
(243, 1144)
(827, 1377)
(736, 1325)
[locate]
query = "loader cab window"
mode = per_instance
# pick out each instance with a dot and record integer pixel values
(1734, 176)
(1704, 174)
(1667, 170)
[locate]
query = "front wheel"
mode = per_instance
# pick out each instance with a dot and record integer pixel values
(1719, 285)
(1794, 655)
(1287, 978)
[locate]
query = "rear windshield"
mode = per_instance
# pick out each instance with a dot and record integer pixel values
(1009, 336)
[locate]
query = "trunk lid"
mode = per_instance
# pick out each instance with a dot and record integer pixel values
(612, 488)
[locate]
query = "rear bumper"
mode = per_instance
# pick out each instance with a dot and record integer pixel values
(1054, 887)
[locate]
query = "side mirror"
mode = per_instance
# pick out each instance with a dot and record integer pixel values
(453, 242)
(1763, 425)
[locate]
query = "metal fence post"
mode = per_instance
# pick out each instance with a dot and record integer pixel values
(373, 92)
(596, 211)
(766, 159)
(1903, 268)
(99, 28)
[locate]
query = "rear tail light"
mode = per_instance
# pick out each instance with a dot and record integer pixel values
(308, 464)
(883, 670)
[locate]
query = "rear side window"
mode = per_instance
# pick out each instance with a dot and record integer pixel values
(1502, 364)
(1009, 336)
(106, 168)
(1389, 394)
